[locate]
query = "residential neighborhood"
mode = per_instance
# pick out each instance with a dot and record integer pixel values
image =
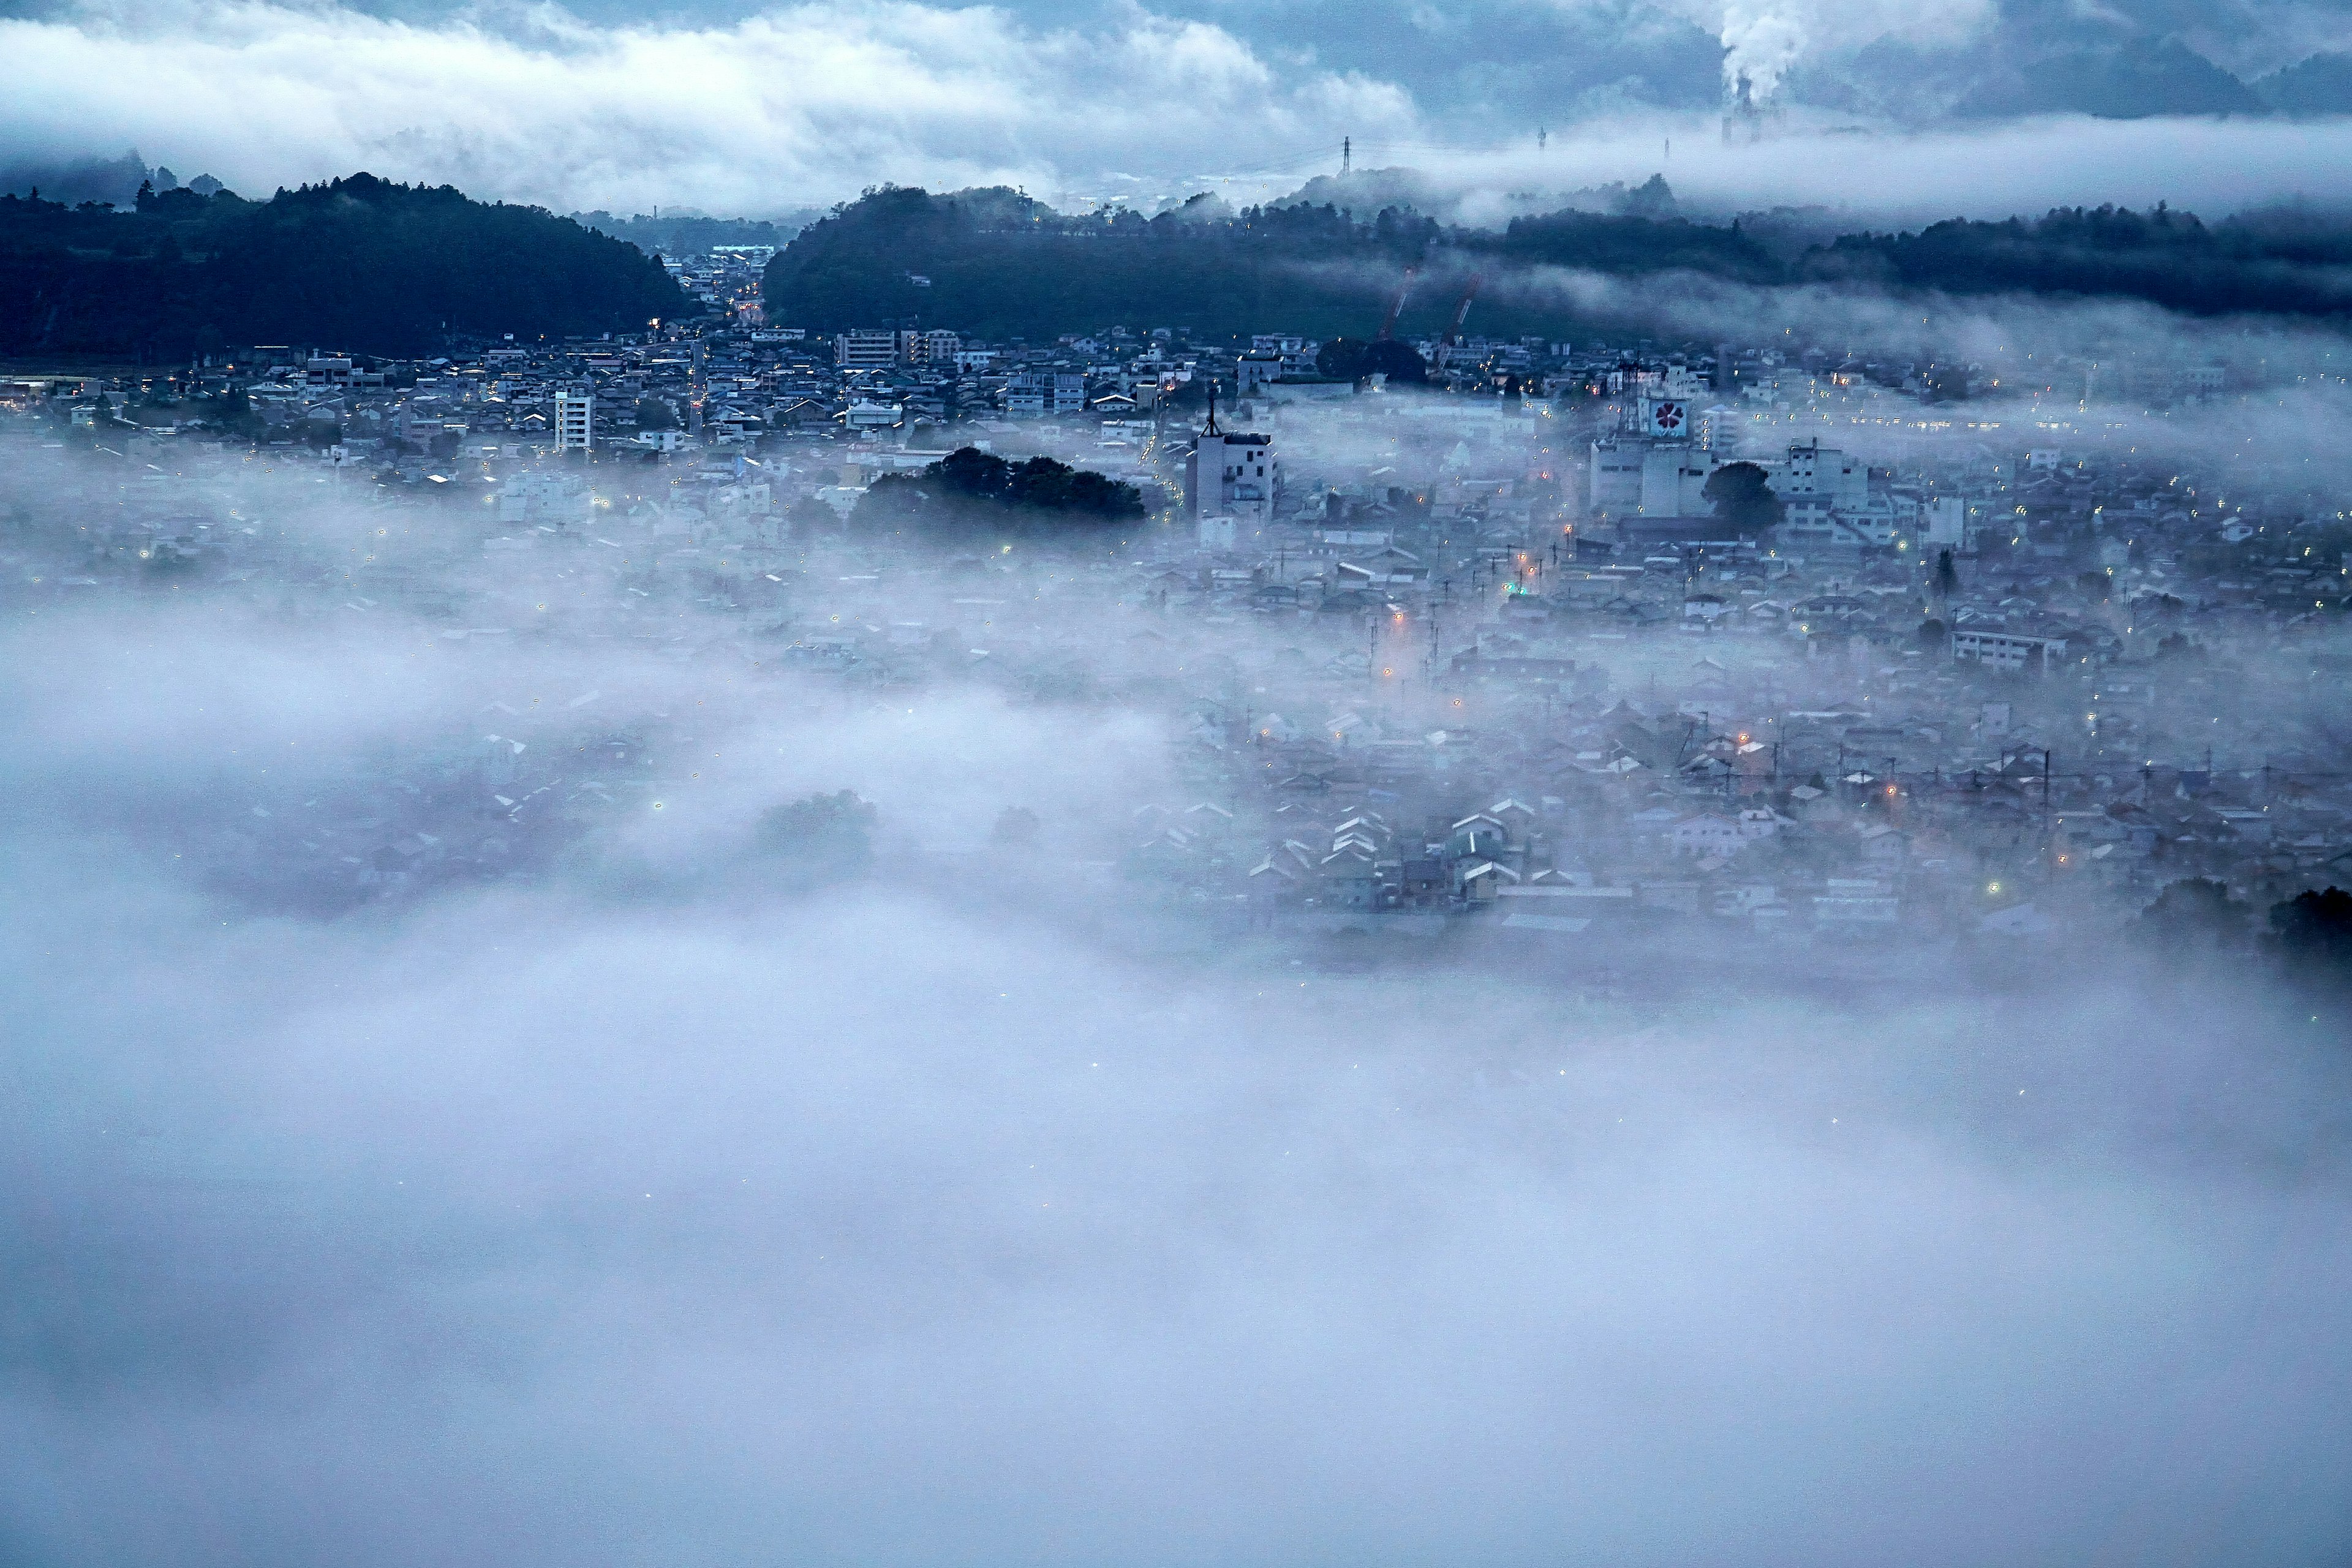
(1483, 649)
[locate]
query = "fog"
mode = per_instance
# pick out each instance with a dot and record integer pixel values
(658, 1202)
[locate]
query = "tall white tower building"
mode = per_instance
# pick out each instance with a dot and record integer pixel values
(575, 416)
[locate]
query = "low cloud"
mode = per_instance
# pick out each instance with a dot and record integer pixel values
(650, 1210)
(812, 103)
(764, 114)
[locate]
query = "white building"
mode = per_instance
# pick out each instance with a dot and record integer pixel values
(1948, 520)
(2007, 650)
(1231, 475)
(1812, 471)
(865, 350)
(1674, 480)
(1633, 476)
(575, 421)
(937, 346)
(1719, 431)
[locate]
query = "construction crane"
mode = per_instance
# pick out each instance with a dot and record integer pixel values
(1461, 311)
(1396, 306)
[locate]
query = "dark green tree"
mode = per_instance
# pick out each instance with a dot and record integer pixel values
(1742, 498)
(1948, 576)
(2196, 913)
(821, 838)
(2313, 933)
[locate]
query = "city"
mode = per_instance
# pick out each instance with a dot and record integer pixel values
(1051, 786)
(1484, 648)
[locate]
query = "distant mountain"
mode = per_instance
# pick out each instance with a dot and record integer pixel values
(2320, 85)
(2133, 79)
(359, 263)
(74, 180)
(688, 233)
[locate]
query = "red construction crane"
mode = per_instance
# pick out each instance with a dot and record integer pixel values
(1396, 306)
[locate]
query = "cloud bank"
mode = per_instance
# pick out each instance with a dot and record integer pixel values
(649, 1210)
(764, 114)
(808, 104)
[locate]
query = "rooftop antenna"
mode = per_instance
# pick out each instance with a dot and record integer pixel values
(1211, 427)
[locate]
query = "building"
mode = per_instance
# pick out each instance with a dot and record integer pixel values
(1719, 430)
(575, 421)
(865, 350)
(1231, 475)
(935, 347)
(1815, 472)
(1035, 394)
(2007, 650)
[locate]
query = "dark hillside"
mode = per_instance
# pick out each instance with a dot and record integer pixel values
(359, 263)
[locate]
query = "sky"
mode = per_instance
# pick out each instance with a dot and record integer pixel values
(759, 111)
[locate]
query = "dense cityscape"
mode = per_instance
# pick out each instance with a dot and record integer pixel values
(1496, 643)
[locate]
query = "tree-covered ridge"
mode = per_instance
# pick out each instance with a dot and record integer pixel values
(999, 265)
(360, 263)
(2281, 262)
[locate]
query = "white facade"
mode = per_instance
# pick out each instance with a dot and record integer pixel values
(575, 421)
(1616, 477)
(1948, 520)
(2007, 650)
(1838, 480)
(865, 350)
(1674, 480)
(1719, 431)
(1233, 476)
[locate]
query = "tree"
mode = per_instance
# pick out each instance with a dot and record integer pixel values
(2312, 932)
(2194, 913)
(821, 838)
(811, 515)
(653, 413)
(1742, 498)
(969, 485)
(1948, 576)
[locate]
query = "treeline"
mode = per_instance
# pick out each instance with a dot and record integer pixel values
(359, 264)
(2283, 262)
(685, 236)
(976, 491)
(998, 265)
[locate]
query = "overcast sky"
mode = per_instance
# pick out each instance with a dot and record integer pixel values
(737, 110)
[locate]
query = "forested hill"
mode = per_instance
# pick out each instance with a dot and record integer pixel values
(2280, 262)
(359, 263)
(996, 264)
